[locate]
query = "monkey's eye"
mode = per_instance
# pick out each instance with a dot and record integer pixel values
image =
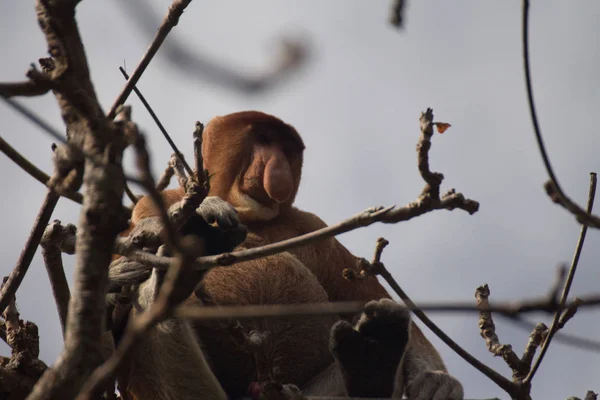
(262, 138)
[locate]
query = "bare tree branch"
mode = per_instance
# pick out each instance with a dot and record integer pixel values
(37, 85)
(199, 161)
(19, 373)
(378, 268)
(171, 19)
(553, 188)
(32, 170)
(53, 235)
(535, 339)
(178, 283)
(567, 285)
(397, 15)
(165, 178)
(487, 330)
(101, 216)
(590, 395)
(294, 54)
(16, 276)
(160, 126)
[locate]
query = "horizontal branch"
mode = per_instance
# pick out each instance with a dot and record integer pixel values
(509, 309)
(38, 84)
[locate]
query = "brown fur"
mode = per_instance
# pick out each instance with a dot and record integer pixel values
(306, 274)
(167, 357)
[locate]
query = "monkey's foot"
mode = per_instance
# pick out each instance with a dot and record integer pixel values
(368, 355)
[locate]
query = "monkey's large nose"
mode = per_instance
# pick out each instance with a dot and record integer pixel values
(278, 180)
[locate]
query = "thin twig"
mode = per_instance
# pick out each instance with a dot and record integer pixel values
(510, 310)
(165, 178)
(19, 373)
(32, 170)
(38, 84)
(143, 164)
(495, 377)
(568, 282)
(430, 199)
(535, 340)
(178, 283)
(199, 161)
(179, 170)
(162, 308)
(132, 196)
(293, 55)
(175, 288)
(487, 329)
(170, 20)
(553, 188)
(16, 276)
(590, 395)
(397, 17)
(565, 338)
(37, 120)
(160, 125)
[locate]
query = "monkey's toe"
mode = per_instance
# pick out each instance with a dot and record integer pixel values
(387, 322)
(344, 340)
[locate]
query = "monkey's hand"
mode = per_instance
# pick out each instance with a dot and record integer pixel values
(229, 232)
(213, 209)
(429, 385)
(147, 234)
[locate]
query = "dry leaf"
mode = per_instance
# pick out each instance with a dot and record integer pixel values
(442, 126)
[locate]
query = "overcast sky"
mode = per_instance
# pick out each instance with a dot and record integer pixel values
(357, 105)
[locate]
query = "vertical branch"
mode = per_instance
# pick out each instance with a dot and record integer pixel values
(198, 130)
(56, 272)
(101, 216)
(567, 286)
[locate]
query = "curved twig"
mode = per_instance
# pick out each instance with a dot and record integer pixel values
(553, 188)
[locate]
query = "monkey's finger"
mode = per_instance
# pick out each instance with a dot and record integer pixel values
(382, 307)
(227, 221)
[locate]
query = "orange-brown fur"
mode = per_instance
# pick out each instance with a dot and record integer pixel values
(305, 274)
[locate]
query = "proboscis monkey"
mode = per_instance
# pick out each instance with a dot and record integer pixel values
(255, 163)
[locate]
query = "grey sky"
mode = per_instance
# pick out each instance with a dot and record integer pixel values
(357, 106)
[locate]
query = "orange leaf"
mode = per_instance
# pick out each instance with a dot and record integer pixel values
(442, 126)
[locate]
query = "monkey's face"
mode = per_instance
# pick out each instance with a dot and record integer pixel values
(255, 163)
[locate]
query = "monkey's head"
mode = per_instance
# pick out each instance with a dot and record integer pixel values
(255, 163)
